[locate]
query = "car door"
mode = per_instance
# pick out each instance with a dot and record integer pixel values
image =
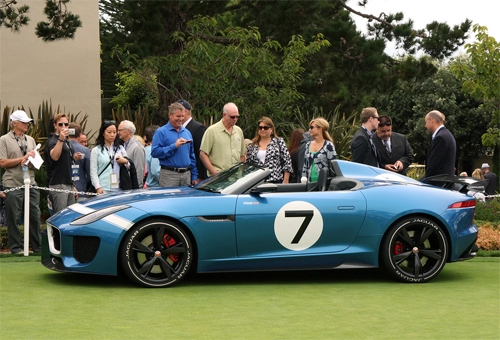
(287, 224)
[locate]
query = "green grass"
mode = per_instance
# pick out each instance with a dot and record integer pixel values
(463, 302)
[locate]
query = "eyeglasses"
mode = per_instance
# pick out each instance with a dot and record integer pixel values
(385, 124)
(61, 124)
(375, 117)
(234, 117)
(264, 127)
(313, 127)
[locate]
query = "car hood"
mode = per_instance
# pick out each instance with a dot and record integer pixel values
(141, 195)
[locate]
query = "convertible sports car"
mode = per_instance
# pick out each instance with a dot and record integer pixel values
(354, 215)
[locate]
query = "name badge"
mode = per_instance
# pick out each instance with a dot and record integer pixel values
(75, 172)
(114, 181)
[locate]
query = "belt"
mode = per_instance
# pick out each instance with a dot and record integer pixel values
(179, 170)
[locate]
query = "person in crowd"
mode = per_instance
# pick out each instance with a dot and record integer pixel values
(442, 149)
(61, 161)
(477, 173)
(134, 148)
(83, 140)
(492, 177)
(320, 151)
(83, 164)
(173, 146)
(197, 130)
(362, 148)
(293, 148)
(395, 153)
(152, 164)
(270, 151)
(105, 159)
(464, 174)
(223, 143)
(15, 148)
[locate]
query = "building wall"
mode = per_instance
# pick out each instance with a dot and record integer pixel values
(66, 72)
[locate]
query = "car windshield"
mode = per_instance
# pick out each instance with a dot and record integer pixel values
(228, 180)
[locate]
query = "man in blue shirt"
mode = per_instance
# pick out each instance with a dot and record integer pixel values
(83, 164)
(172, 145)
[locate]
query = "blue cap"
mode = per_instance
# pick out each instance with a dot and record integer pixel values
(185, 103)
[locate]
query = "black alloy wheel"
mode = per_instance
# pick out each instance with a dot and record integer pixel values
(156, 254)
(414, 250)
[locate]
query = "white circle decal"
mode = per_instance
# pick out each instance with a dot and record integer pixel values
(298, 225)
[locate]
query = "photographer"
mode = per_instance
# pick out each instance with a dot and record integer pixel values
(61, 164)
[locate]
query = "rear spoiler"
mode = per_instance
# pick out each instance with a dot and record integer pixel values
(458, 183)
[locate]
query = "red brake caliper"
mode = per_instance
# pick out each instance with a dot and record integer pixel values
(169, 242)
(398, 248)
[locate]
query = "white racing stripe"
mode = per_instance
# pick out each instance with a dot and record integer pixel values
(118, 221)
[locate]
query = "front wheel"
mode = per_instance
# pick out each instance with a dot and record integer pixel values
(156, 254)
(414, 250)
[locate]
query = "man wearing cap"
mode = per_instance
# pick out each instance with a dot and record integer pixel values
(197, 130)
(395, 153)
(442, 149)
(492, 184)
(15, 148)
(223, 144)
(173, 146)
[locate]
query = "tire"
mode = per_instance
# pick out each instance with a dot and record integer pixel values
(414, 250)
(156, 254)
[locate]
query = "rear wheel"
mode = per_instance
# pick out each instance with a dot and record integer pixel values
(156, 254)
(414, 250)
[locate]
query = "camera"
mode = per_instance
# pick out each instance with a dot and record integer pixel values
(71, 132)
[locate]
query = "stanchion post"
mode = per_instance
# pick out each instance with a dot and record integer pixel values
(27, 182)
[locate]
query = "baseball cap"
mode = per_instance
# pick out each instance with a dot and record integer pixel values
(485, 165)
(185, 103)
(20, 116)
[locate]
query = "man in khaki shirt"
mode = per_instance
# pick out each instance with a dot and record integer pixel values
(223, 144)
(15, 148)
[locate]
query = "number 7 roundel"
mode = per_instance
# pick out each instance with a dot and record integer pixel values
(298, 225)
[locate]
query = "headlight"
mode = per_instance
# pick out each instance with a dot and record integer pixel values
(98, 215)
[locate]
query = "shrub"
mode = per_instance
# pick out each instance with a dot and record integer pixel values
(489, 211)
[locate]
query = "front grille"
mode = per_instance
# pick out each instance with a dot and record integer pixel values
(85, 248)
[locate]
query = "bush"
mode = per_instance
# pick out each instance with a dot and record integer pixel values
(488, 211)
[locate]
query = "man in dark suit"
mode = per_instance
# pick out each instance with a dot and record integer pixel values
(362, 148)
(197, 130)
(395, 153)
(443, 148)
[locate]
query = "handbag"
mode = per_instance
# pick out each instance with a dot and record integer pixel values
(90, 187)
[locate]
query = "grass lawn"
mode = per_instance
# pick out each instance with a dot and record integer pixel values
(463, 302)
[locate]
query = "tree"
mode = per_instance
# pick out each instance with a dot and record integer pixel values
(480, 77)
(413, 99)
(350, 72)
(61, 24)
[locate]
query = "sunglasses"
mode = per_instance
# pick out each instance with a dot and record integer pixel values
(107, 122)
(264, 127)
(375, 117)
(61, 124)
(385, 124)
(234, 117)
(313, 127)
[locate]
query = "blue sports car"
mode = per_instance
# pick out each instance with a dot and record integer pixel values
(355, 215)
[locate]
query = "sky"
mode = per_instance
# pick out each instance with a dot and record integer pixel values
(422, 12)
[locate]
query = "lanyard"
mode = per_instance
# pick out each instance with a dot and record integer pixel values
(111, 156)
(21, 146)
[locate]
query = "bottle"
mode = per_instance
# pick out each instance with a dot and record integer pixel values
(26, 173)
